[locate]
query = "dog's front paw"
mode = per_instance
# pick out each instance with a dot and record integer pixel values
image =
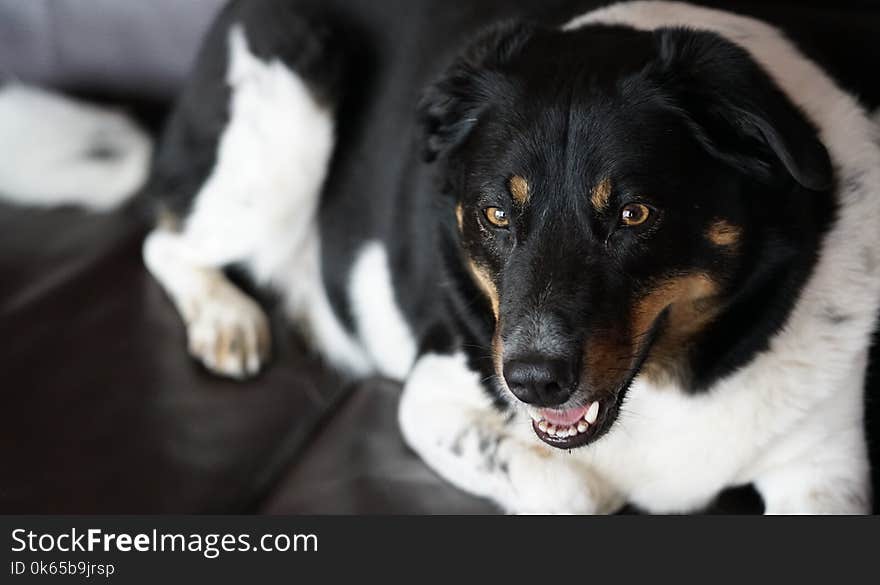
(553, 483)
(228, 332)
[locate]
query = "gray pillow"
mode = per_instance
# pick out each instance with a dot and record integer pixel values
(142, 47)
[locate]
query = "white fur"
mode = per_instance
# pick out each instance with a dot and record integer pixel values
(46, 141)
(271, 162)
(791, 421)
(309, 307)
(447, 417)
(257, 208)
(381, 327)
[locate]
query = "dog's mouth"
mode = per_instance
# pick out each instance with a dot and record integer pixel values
(576, 426)
(572, 427)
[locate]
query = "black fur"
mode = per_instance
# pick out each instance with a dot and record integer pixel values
(274, 29)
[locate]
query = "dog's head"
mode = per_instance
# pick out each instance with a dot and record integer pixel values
(614, 192)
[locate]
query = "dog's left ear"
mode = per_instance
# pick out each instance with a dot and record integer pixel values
(740, 115)
(452, 105)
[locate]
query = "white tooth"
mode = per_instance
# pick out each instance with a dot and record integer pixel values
(592, 413)
(534, 414)
(551, 430)
(542, 426)
(582, 426)
(572, 431)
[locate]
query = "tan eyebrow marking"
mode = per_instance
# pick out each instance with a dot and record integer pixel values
(519, 188)
(723, 233)
(600, 194)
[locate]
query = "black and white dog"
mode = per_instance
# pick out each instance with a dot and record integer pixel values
(641, 264)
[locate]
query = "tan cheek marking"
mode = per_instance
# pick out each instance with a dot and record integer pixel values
(519, 189)
(600, 195)
(691, 308)
(484, 281)
(722, 233)
(498, 356)
(672, 292)
(459, 217)
(607, 360)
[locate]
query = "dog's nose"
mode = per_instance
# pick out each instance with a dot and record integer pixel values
(541, 382)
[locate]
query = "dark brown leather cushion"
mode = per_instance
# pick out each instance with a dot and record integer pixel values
(102, 410)
(359, 464)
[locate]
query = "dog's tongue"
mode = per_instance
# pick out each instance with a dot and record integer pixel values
(563, 417)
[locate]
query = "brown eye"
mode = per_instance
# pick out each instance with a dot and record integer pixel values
(634, 214)
(497, 216)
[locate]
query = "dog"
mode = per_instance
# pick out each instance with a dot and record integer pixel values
(631, 259)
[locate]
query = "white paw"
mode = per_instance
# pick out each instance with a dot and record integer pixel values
(228, 332)
(555, 483)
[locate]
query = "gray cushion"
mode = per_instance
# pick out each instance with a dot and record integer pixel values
(141, 47)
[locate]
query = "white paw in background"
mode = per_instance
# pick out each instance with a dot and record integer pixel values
(228, 332)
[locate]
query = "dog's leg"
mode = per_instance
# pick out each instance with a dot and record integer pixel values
(227, 330)
(447, 417)
(242, 165)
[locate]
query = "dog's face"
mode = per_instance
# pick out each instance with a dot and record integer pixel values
(613, 193)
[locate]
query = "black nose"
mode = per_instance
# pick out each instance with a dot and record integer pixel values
(539, 381)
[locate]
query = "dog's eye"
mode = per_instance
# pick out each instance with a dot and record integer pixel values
(496, 216)
(634, 214)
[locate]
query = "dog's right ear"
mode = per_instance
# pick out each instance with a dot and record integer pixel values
(738, 112)
(452, 105)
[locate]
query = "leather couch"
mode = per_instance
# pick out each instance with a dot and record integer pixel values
(101, 410)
